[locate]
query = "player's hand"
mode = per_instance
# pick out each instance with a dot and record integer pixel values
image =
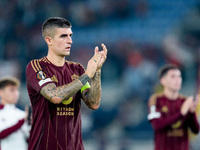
(93, 63)
(103, 56)
(186, 105)
(194, 103)
(26, 112)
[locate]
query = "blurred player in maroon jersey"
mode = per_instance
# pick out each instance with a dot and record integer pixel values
(56, 87)
(171, 114)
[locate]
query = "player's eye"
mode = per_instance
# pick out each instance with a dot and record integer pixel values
(172, 76)
(63, 35)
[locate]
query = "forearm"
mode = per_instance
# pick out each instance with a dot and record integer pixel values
(10, 130)
(161, 123)
(58, 94)
(193, 123)
(93, 96)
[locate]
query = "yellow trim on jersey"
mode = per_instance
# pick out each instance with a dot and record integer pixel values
(39, 65)
(40, 59)
(36, 66)
(43, 59)
(46, 60)
(55, 79)
(33, 66)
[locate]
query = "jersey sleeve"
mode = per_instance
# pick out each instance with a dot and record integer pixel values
(156, 118)
(6, 132)
(36, 77)
(193, 123)
(154, 113)
(81, 69)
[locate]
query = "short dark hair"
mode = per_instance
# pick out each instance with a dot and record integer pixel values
(164, 69)
(53, 22)
(6, 81)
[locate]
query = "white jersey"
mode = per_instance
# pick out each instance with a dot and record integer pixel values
(10, 116)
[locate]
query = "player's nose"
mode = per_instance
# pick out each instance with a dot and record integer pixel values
(69, 40)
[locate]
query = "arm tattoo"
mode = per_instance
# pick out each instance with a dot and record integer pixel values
(93, 95)
(65, 91)
(84, 79)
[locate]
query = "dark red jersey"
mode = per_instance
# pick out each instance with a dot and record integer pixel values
(171, 128)
(55, 126)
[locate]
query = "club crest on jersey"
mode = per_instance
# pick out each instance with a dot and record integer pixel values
(74, 76)
(41, 75)
(164, 109)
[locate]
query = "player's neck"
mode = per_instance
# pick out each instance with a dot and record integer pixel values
(56, 60)
(4, 102)
(172, 95)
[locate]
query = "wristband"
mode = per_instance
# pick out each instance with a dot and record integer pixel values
(86, 86)
(84, 79)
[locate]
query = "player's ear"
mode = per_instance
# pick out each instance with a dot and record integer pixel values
(0, 92)
(48, 40)
(162, 81)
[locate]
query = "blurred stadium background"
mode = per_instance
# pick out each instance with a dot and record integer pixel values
(141, 36)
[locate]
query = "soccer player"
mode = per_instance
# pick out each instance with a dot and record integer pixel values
(56, 87)
(171, 114)
(14, 129)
